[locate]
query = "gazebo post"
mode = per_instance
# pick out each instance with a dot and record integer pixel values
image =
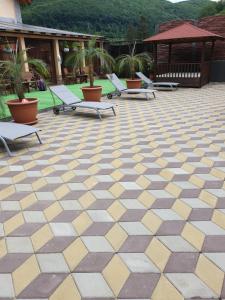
(203, 53)
(202, 67)
(155, 55)
(212, 50)
(170, 52)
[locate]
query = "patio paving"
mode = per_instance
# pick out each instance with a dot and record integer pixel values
(132, 207)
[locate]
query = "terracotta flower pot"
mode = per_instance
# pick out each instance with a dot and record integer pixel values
(25, 111)
(133, 83)
(92, 93)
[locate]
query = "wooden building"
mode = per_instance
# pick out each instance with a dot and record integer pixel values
(43, 43)
(184, 54)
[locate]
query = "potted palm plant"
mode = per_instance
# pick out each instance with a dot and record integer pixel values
(23, 110)
(132, 63)
(90, 54)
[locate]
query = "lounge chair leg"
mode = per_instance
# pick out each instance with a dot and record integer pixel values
(99, 115)
(113, 111)
(38, 137)
(154, 95)
(6, 146)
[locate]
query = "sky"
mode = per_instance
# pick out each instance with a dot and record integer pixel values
(175, 1)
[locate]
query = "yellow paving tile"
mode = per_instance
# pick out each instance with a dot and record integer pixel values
(61, 191)
(151, 221)
(75, 253)
(116, 274)
(90, 182)
(219, 218)
(3, 249)
(143, 182)
(6, 192)
(28, 201)
(173, 189)
(146, 199)
(193, 235)
(25, 274)
(41, 237)
(116, 236)
(68, 176)
(182, 209)
(82, 222)
(158, 253)
(67, 290)
(38, 184)
(117, 175)
(13, 223)
(87, 199)
(140, 168)
(208, 198)
(166, 291)
(210, 274)
(116, 210)
(116, 190)
(52, 211)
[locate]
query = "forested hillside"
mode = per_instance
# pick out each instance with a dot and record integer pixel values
(112, 18)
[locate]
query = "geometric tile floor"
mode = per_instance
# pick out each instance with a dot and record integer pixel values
(132, 207)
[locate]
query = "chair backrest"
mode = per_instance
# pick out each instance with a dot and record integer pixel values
(116, 82)
(64, 94)
(143, 77)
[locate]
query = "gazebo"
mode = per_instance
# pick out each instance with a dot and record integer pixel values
(190, 73)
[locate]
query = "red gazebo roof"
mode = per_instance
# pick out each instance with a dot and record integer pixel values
(25, 1)
(183, 33)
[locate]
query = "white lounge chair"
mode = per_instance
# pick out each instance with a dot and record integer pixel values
(71, 101)
(12, 131)
(157, 85)
(121, 89)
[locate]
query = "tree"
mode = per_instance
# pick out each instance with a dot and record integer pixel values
(90, 54)
(133, 62)
(14, 67)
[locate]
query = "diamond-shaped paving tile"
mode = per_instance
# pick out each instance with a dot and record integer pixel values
(133, 205)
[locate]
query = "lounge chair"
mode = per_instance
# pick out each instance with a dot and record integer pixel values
(121, 89)
(12, 131)
(71, 101)
(157, 85)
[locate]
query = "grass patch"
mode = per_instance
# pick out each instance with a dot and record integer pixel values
(45, 97)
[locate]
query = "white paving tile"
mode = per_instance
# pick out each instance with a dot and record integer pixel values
(1, 230)
(158, 194)
(92, 285)
(190, 285)
(135, 228)
(130, 185)
(6, 286)
(19, 245)
(70, 205)
(63, 229)
(176, 243)
(10, 205)
(101, 194)
(45, 196)
(218, 259)
(34, 216)
(138, 263)
(195, 203)
(97, 244)
(52, 263)
(209, 228)
(167, 214)
(100, 216)
(132, 204)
